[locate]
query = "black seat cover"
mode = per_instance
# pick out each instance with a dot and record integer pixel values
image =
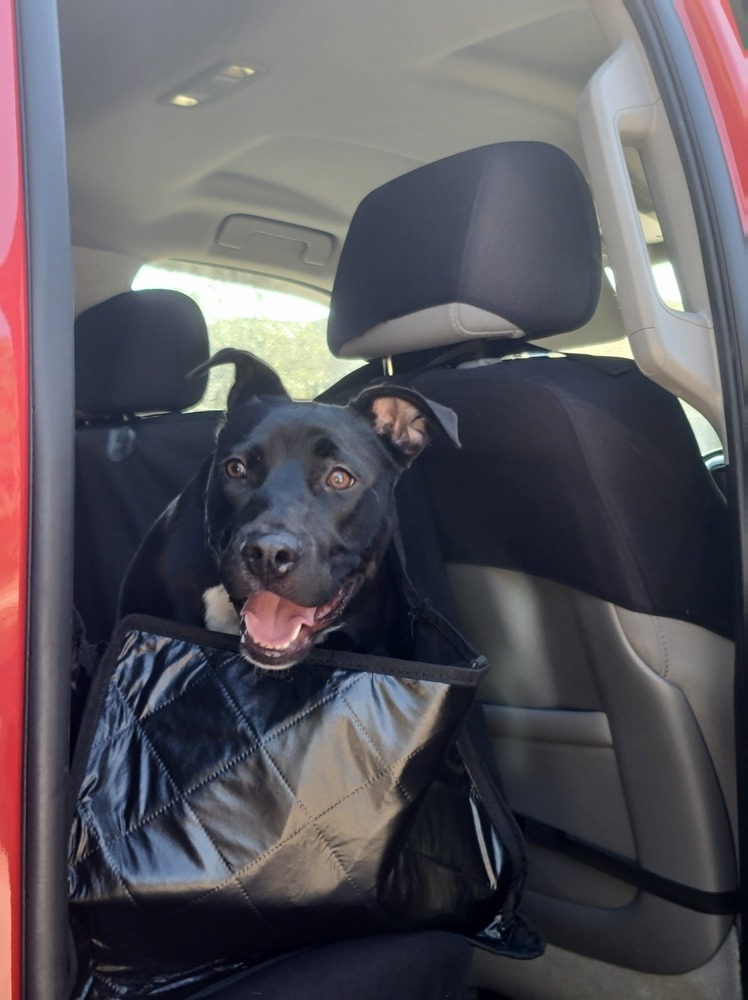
(135, 448)
(577, 488)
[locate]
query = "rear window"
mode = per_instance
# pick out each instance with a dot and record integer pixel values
(284, 328)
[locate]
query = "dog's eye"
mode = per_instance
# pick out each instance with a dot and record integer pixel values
(235, 469)
(340, 479)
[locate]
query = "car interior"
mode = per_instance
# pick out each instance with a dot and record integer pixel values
(486, 201)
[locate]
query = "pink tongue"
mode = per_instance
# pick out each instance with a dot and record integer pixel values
(273, 621)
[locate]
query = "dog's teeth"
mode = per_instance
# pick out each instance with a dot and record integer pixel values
(278, 647)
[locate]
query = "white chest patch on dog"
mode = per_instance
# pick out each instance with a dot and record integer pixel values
(220, 615)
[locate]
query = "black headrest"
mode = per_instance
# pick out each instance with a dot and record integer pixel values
(500, 241)
(133, 351)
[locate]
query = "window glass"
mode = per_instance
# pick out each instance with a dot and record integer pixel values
(286, 330)
(740, 13)
(663, 272)
(665, 282)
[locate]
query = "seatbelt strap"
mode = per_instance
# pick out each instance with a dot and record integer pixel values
(625, 870)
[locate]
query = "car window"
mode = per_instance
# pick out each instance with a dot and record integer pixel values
(740, 13)
(285, 329)
(663, 271)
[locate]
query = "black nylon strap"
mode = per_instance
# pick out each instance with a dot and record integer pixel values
(467, 675)
(699, 900)
(372, 372)
(479, 766)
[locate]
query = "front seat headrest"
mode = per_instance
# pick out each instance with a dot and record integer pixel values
(133, 351)
(499, 241)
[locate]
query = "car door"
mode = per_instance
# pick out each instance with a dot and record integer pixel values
(13, 506)
(35, 503)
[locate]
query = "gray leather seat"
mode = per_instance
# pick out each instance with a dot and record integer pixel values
(586, 544)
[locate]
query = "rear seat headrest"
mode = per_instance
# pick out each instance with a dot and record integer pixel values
(133, 351)
(500, 241)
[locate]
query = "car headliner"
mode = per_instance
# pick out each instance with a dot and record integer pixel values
(350, 95)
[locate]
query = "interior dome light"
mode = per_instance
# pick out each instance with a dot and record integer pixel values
(223, 78)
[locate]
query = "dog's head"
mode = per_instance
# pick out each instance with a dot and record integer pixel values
(299, 503)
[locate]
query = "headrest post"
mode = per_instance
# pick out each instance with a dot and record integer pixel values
(387, 366)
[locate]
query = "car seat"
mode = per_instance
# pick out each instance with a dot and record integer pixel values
(135, 447)
(586, 544)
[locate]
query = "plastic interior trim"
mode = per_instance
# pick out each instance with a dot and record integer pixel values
(620, 107)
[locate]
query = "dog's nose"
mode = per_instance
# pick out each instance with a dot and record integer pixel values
(272, 554)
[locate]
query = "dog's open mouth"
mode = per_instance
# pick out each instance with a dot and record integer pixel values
(276, 633)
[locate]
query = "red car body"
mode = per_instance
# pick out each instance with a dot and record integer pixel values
(723, 66)
(722, 63)
(14, 502)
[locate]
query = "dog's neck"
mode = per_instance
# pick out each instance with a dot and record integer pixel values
(219, 613)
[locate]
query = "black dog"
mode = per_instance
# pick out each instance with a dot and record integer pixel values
(280, 535)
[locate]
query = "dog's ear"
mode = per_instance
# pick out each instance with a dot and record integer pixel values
(253, 376)
(404, 418)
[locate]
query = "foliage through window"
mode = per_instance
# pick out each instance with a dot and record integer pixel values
(286, 330)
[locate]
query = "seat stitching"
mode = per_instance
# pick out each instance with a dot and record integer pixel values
(226, 766)
(151, 748)
(370, 742)
(283, 843)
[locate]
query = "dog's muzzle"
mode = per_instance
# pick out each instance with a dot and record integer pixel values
(277, 633)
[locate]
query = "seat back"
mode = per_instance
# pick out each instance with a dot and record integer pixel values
(586, 543)
(135, 447)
